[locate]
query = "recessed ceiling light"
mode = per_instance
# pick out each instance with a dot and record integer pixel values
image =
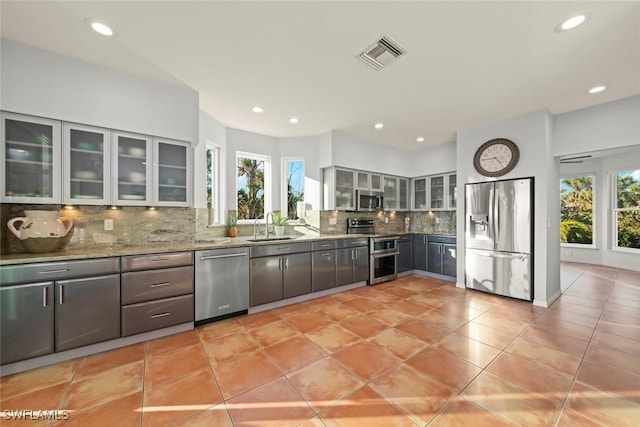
(99, 27)
(420, 139)
(378, 125)
(257, 109)
(571, 23)
(293, 120)
(597, 89)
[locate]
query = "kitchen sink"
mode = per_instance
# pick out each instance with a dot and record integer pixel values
(271, 239)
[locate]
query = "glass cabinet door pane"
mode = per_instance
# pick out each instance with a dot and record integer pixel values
(376, 182)
(363, 180)
(86, 162)
(345, 187)
(132, 169)
(420, 193)
(390, 193)
(437, 192)
(403, 200)
(452, 191)
(172, 173)
(29, 153)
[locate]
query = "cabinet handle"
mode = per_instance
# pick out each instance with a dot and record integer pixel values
(286, 263)
(44, 296)
(155, 316)
(325, 254)
(325, 245)
(159, 259)
(284, 249)
(62, 270)
(355, 251)
(279, 263)
(424, 240)
(206, 257)
(157, 285)
(60, 294)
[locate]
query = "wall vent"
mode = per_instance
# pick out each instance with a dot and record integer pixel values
(381, 53)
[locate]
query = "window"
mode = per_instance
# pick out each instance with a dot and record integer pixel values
(627, 209)
(293, 186)
(252, 182)
(213, 183)
(577, 210)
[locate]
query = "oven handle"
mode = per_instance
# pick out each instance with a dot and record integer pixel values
(376, 256)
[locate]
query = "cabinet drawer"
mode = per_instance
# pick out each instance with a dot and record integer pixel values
(435, 238)
(282, 249)
(150, 262)
(323, 245)
(352, 243)
(44, 271)
(149, 316)
(148, 285)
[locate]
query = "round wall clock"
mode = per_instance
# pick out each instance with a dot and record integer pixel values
(496, 157)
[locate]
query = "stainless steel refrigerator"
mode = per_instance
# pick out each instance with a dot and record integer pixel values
(498, 237)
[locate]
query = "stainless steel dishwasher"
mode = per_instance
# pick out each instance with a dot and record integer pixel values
(222, 284)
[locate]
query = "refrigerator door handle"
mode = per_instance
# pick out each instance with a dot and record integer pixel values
(492, 224)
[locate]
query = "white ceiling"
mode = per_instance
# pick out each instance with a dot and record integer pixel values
(468, 63)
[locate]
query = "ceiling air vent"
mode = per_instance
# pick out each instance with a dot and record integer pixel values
(381, 53)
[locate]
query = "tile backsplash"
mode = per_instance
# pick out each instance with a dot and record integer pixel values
(138, 226)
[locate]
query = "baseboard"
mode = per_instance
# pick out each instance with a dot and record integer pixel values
(63, 356)
(547, 304)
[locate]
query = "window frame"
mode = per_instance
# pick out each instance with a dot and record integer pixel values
(284, 188)
(267, 183)
(216, 217)
(594, 211)
(615, 210)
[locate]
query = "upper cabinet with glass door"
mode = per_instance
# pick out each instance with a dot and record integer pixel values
(131, 180)
(340, 189)
(171, 165)
(31, 159)
(451, 191)
(436, 191)
(368, 181)
(87, 165)
(419, 186)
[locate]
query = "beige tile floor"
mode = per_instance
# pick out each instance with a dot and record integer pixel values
(415, 351)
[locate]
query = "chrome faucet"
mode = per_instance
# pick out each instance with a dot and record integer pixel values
(266, 224)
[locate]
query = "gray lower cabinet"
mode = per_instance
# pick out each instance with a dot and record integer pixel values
(152, 315)
(442, 255)
(266, 280)
(296, 275)
(419, 251)
(157, 291)
(277, 277)
(405, 258)
(323, 270)
(57, 306)
(87, 311)
(352, 261)
(26, 321)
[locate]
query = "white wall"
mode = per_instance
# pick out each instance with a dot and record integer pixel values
(432, 160)
(210, 131)
(42, 83)
(614, 124)
(532, 133)
(351, 152)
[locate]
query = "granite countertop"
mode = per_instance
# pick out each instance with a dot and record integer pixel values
(123, 250)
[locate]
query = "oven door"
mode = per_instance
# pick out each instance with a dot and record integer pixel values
(383, 267)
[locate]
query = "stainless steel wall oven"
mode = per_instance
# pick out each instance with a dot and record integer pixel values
(383, 250)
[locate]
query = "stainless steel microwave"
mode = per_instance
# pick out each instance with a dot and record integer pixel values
(369, 201)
